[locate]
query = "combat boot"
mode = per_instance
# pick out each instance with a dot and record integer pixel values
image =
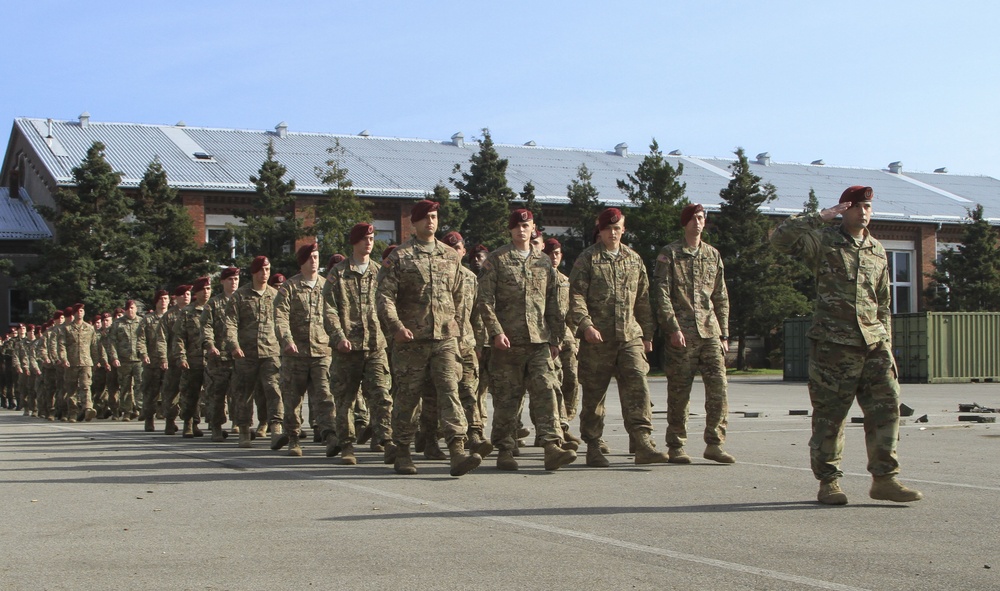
(376, 446)
(479, 445)
(506, 461)
(294, 449)
(389, 455)
(149, 427)
(196, 429)
(830, 493)
(170, 427)
(364, 433)
(631, 444)
(187, 433)
(646, 452)
(888, 488)
(567, 444)
(717, 454)
(332, 445)
(261, 430)
(677, 455)
(595, 457)
(279, 438)
(245, 439)
(419, 439)
(403, 463)
(432, 450)
(603, 446)
(347, 456)
(570, 437)
(217, 435)
(89, 414)
(556, 456)
(461, 462)
(522, 432)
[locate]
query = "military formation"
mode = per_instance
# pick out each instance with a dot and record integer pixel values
(400, 351)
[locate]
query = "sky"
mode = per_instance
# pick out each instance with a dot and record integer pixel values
(857, 84)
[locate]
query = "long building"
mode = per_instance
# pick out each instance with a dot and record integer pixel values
(916, 214)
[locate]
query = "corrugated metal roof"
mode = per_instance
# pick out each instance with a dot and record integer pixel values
(397, 167)
(18, 218)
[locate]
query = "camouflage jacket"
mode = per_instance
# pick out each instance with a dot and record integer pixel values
(349, 309)
(187, 344)
(611, 293)
(37, 347)
(470, 322)
(421, 290)
(299, 317)
(53, 336)
(569, 338)
(250, 322)
(689, 291)
(519, 297)
(99, 349)
(164, 337)
(151, 331)
(17, 360)
(852, 280)
(75, 347)
(125, 336)
(213, 322)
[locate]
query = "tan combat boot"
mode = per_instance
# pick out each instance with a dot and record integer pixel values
(279, 438)
(478, 444)
(603, 446)
(261, 429)
(570, 437)
(365, 433)
(389, 454)
(170, 427)
(677, 455)
(188, 433)
(506, 461)
(646, 452)
(717, 454)
(89, 414)
(432, 451)
(556, 456)
(245, 439)
(419, 439)
(332, 445)
(461, 462)
(375, 446)
(195, 429)
(347, 456)
(403, 463)
(294, 449)
(149, 427)
(217, 435)
(595, 457)
(830, 493)
(887, 488)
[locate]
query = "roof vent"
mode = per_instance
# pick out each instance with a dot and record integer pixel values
(202, 156)
(622, 150)
(675, 153)
(941, 170)
(896, 167)
(48, 134)
(84, 119)
(281, 129)
(818, 162)
(764, 158)
(530, 143)
(365, 133)
(180, 124)
(458, 140)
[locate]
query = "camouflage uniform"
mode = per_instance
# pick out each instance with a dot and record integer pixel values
(150, 333)
(99, 374)
(75, 350)
(187, 348)
(421, 290)
(298, 319)
(112, 399)
(125, 336)
(689, 295)
(471, 326)
(218, 369)
(611, 293)
(851, 350)
(250, 326)
(566, 363)
(350, 315)
(519, 297)
(170, 389)
(45, 396)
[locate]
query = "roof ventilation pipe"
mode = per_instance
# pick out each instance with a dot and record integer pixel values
(530, 143)
(281, 129)
(622, 150)
(764, 158)
(941, 170)
(84, 119)
(365, 133)
(675, 153)
(458, 140)
(818, 162)
(896, 167)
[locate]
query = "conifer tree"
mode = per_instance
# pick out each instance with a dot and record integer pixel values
(967, 279)
(811, 204)
(584, 207)
(484, 195)
(450, 213)
(341, 209)
(526, 200)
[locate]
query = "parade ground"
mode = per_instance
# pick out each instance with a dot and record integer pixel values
(104, 505)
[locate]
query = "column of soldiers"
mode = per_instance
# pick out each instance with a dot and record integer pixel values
(402, 350)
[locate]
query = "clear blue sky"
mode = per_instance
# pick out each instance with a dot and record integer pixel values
(854, 83)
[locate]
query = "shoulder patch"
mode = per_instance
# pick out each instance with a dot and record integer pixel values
(663, 258)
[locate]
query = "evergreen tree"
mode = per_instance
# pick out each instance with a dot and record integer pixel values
(270, 227)
(484, 195)
(811, 205)
(526, 200)
(968, 279)
(584, 207)
(450, 214)
(657, 198)
(341, 210)
(761, 294)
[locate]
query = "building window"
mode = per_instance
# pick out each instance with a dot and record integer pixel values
(19, 306)
(385, 230)
(901, 281)
(217, 237)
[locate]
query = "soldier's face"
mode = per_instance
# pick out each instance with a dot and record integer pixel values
(521, 233)
(696, 225)
(556, 257)
(478, 259)
(162, 304)
(204, 294)
(460, 249)
(230, 284)
(184, 299)
(611, 235)
(426, 227)
(264, 274)
(130, 312)
(858, 216)
(81, 314)
(311, 266)
(99, 324)
(363, 247)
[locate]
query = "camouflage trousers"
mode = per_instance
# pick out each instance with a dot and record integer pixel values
(703, 356)
(569, 388)
(218, 382)
(369, 372)
(626, 362)
(192, 381)
(27, 388)
(129, 379)
(251, 373)
(78, 382)
(484, 383)
(112, 399)
(99, 387)
(310, 376)
(152, 383)
(524, 368)
(426, 366)
(839, 374)
(45, 399)
(468, 390)
(170, 392)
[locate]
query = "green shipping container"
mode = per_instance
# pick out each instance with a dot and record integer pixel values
(930, 347)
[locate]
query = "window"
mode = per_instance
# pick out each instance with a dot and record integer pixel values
(385, 230)
(901, 281)
(19, 306)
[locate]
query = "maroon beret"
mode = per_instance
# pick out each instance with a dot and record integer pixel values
(611, 215)
(276, 280)
(119, 311)
(517, 216)
(857, 193)
(257, 264)
(107, 315)
(359, 231)
(97, 318)
(388, 251)
(160, 293)
(480, 248)
(688, 212)
(68, 311)
(129, 303)
(58, 314)
(334, 259)
(181, 289)
(229, 272)
(77, 307)
(452, 239)
(422, 208)
(550, 245)
(305, 251)
(200, 284)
